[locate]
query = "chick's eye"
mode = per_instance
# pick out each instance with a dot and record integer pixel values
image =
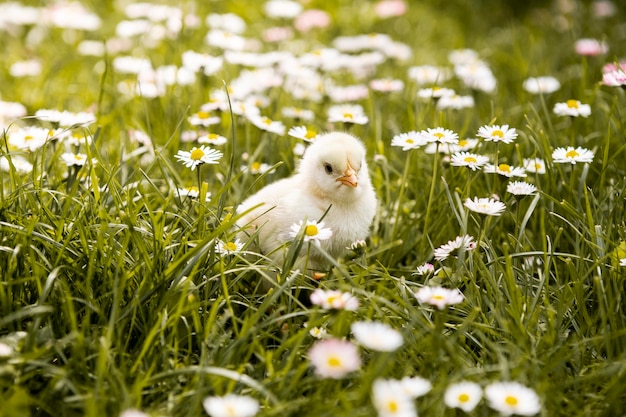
(328, 168)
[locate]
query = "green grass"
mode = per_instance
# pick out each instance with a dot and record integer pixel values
(113, 297)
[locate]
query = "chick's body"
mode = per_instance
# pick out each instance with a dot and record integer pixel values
(333, 173)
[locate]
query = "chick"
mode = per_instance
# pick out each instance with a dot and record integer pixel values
(332, 178)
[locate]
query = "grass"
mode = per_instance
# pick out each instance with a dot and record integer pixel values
(112, 295)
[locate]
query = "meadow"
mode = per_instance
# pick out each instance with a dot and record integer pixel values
(494, 277)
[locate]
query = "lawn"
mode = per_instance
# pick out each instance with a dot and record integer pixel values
(493, 278)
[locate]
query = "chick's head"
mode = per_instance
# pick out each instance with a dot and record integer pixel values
(334, 167)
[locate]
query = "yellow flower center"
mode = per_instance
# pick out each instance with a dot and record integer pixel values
(504, 168)
(572, 154)
(438, 135)
(310, 134)
(410, 141)
(203, 115)
(78, 157)
(256, 166)
(196, 154)
(348, 116)
(470, 160)
(266, 121)
(463, 142)
(511, 400)
(28, 137)
(437, 297)
(230, 246)
(213, 135)
(334, 361)
(193, 189)
(310, 230)
(436, 88)
(497, 133)
(392, 406)
(463, 398)
(537, 166)
(572, 104)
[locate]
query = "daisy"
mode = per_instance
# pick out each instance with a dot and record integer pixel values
(440, 135)
(390, 401)
(615, 78)
(386, 85)
(439, 297)
(428, 74)
(415, 386)
(521, 188)
(350, 93)
(76, 159)
(285, 9)
(464, 395)
(425, 269)
(435, 92)
(477, 75)
(470, 160)
(303, 132)
(590, 47)
(198, 156)
(572, 108)
(334, 358)
(256, 168)
(203, 118)
(28, 68)
(212, 139)
(390, 8)
(5, 350)
(191, 192)
(505, 170)
(377, 336)
(231, 405)
(131, 412)
(572, 155)
(487, 206)
(318, 332)
(510, 398)
(313, 231)
(31, 138)
(298, 113)
(230, 21)
(225, 248)
(11, 110)
(455, 102)
(310, 19)
(497, 133)
(334, 300)
(358, 246)
(409, 140)
(347, 113)
(535, 165)
(622, 262)
(464, 243)
(541, 85)
(21, 165)
(267, 124)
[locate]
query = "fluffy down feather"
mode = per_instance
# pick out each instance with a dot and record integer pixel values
(332, 173)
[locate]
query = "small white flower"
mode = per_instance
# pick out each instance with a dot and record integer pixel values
(390, 400)
(440, 135)
(622, 262)
(455, 102)
(510, 398)
(464, 243)
(435, 92)
(228, 248)
(334, 358)
(212, 139)
(5, 350)
(191, 192)
(76, 159)
(573, 108)
(535, 165)
(497, 133)
(439, 297)
(313, 231)
(487, 206)
(415, 386)
(521, 188)
(425, 269)
(203, 118)
(298, 113)
(409, 140)
(334, 299)
(386, 85)
(505, 170)
(198, 156)
(572, 155)
(377, 336)
(470, 160)
(267, 124)
(131, 412)
(347, 113)
(541, 85)
(318, 332)
(231, 405)
(464, 395)
(303, 132)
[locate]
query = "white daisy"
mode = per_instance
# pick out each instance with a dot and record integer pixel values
(334, 300)
(76, 159)
(21, 165)
(390, 400)
(191, 192)
(510, 398)
(377, 336)
(428, 74)
(505, 170)
(225, 248)
(303, 132)
(521, 188)
(298, 113)
(541, 85)
(535, 165)
(131, 412)
(435, 92)
(439, 297)
(334, 358)
(440, 135)
(616, 78)
(426, 269)
(386, 85)
(198, 156)
(30, 137)
(573, 108)
(313, 231)
(464, 243)
(572, 155)
(347, 113)
(455, 102)
(470, 160)
(464, 395)
(212, 139)
(409, 140)
(415, 386)
(622, 262)
(318, 332)
(497, 133)
(231, 405)
(487, 206)
(203, 118)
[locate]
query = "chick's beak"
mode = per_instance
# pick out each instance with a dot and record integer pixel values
(349, 177)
